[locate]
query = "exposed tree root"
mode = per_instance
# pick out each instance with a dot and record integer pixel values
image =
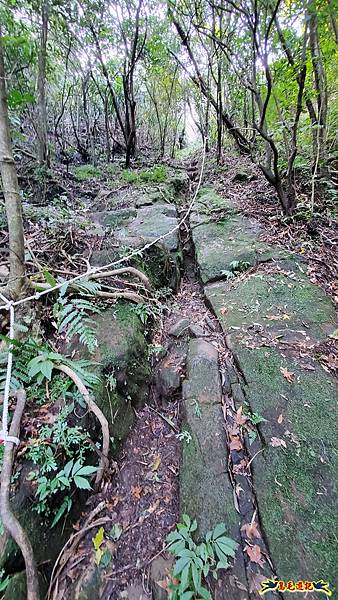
(121, 271)
(98, 413)
(10, 522)
(69, 549)
(132, 296)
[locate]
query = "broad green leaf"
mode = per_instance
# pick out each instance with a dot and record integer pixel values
(184, 577)
(65, 506)
(82, 483)
(98, 539)
(180, 564)
(49, 278)
(86, 470)
(219, 530)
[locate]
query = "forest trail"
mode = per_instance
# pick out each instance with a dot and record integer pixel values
(231, 368)
(168, 296)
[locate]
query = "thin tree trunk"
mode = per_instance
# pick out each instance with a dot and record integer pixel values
(43, 154)
(321, 90)
(11, 190)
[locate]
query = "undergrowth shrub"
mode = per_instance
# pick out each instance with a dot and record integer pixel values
(84, 172)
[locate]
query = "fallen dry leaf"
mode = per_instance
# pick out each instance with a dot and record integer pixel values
(251, 530)
(136, 491)
(153, 507)
(240, 418)
(287, 374)
(238, 489)
(156, 463)
(255, 582)
(277, 442)
(236, 444)
(255, 554)
(114, 500)
(164, 584)
(240, 467)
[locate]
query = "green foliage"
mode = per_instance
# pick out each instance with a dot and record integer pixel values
(34, 362)
(4, 581)
(57, 442)
(156, 174)
(184, 436)
(143, 311)
(112, 169)
(130, 176)
(84, 172)
(73, 315)
(196, 560)
(236, 267)
(254, 417)
(197, 408)
(102, 556)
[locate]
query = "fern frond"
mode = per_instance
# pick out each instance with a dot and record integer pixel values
(73, 316)
(87, 287)
(81, 368)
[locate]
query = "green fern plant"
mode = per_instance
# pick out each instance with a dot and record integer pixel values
(73, 314)
(33, 362)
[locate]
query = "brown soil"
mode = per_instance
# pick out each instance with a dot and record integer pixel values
(141, 499)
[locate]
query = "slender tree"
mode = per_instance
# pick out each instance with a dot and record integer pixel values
(11, 189)
(42, 129)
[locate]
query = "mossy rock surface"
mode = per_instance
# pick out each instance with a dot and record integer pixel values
(236, 238)
(112, 219)
(153, 222)
(284, 304)
(296, 486)
(122, 354)
(209, 201)
(294, 476)
(205, 489)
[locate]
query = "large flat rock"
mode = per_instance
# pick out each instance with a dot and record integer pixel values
(205, 489)
(283, 304)
(294, 480)
(296, 486)
(235, 238)
(152, 222)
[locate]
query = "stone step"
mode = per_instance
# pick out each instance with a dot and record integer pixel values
(205, 489)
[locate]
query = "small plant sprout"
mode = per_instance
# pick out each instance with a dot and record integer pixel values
(184, 436)
(194, 561)
(197, 409)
